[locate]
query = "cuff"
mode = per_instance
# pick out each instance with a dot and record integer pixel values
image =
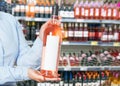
(25, 74)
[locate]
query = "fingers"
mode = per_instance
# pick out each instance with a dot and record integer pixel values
(52, 79)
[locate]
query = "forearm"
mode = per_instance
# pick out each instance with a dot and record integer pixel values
(13, 74)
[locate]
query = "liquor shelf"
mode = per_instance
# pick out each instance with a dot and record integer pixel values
(88, 68)
(70, 20)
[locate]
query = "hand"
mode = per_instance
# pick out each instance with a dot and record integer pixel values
(37, 76)
(45, 25)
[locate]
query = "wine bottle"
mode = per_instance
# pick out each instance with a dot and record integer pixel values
(51, 47)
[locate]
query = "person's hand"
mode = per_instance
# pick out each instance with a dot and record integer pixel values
(45, 25)
(37, 76)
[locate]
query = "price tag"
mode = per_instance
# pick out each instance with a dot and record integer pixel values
(67, 68)
(116, 44)
(94, 43)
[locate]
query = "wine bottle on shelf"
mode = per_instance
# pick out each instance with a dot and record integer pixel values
(42, 9)
(110, 34)
(22, 9)
(66, 78)
(92, 10)
(97, 10)
(33, 31)
(62, 79)
(70, 31)
(119, 33)
(71, 60)
(76, 10)
(71, 11)
(51, 40)
(76, 33)
(76, 59)
(28, 34)
(71, 78)
(82, 10)
(116, 34)
(37, 9)
(61, 9)
(47, 9)
(87, 10)
(81, 28)
(65, 32)
(104, 37)
(65, 60)
(115, 11)
(17, 10)
(85, 33)
(96, 32)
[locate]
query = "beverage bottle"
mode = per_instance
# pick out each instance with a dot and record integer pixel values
(76, 33)
(85, 33)
(17, 10)
(72, 60)
(30, 9)
(70, 31)
(86, 10)
(104, 37)
(65, 60)
(33, 31)
(119, 33)
(76, 10)
(92, 10)
(115, 11)
(65, 32)
(76, 59)
(61, 9)
(37, 9)
(51, 47)
(81, 28)
(42, 9)
(47, 9)
(97, 10)
(116, 34)
(110, 34)
(22, 9)
(82, 10)
(71, 78)
(66, 78)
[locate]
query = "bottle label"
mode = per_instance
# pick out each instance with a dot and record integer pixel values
(65, 84)
(32, 9)
(56, 84)
(77, 11)
(71, 14)
(116, 36)
(27, 8)
(50, 9)
(110, 37)
(103, 12)
(50, 57)
(91, 11)
(104, 37)
(109, 12)
(22, 7)
(97, 12)
(66, 14)
(85, 33)
(42, 9)
(37, 9)
(42, 84)
(86, 12)
(70, 33)
(47, 84)
(82, 11)
(71, 84)
(61, 13)
(17, 8)
(47, 10)
(76, 33)
(114, 12)
(80, 34)
(61, 83)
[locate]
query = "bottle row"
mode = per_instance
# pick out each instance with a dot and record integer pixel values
(108, 57)
(97, 9)
(77, 32)
(79, 10)
(88, 78)
(90, 32)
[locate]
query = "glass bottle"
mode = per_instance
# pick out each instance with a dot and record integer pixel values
(76, 32)
(80, 32)
(116, 34)
(70, 32)
(76, 10)
(51, 47)
(85, 33)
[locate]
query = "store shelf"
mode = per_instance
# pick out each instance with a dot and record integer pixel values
(88, 68)
(70, 20)
(87, 43)
(93, 43)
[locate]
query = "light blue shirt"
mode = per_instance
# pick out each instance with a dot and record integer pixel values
(14, 48)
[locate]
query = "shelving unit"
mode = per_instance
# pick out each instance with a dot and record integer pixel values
(71, 20)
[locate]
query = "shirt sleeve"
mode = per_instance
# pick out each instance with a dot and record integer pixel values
(28, 57)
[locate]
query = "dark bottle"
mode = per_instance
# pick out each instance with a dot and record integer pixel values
(66, 77)
(116, 33)
(110, 35)
(47, 9)
(17, 10)
(71, 78)
(119, 33)
(76, 32)
(81, 32)
(70, 32)
(33, 31)
(22, 9)
(28, 32)
(37, 10)
(42, 10)
(104, 37)
(91, 33)
(85, 33)
(96, 32)
(65, 32)
(61, 83)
